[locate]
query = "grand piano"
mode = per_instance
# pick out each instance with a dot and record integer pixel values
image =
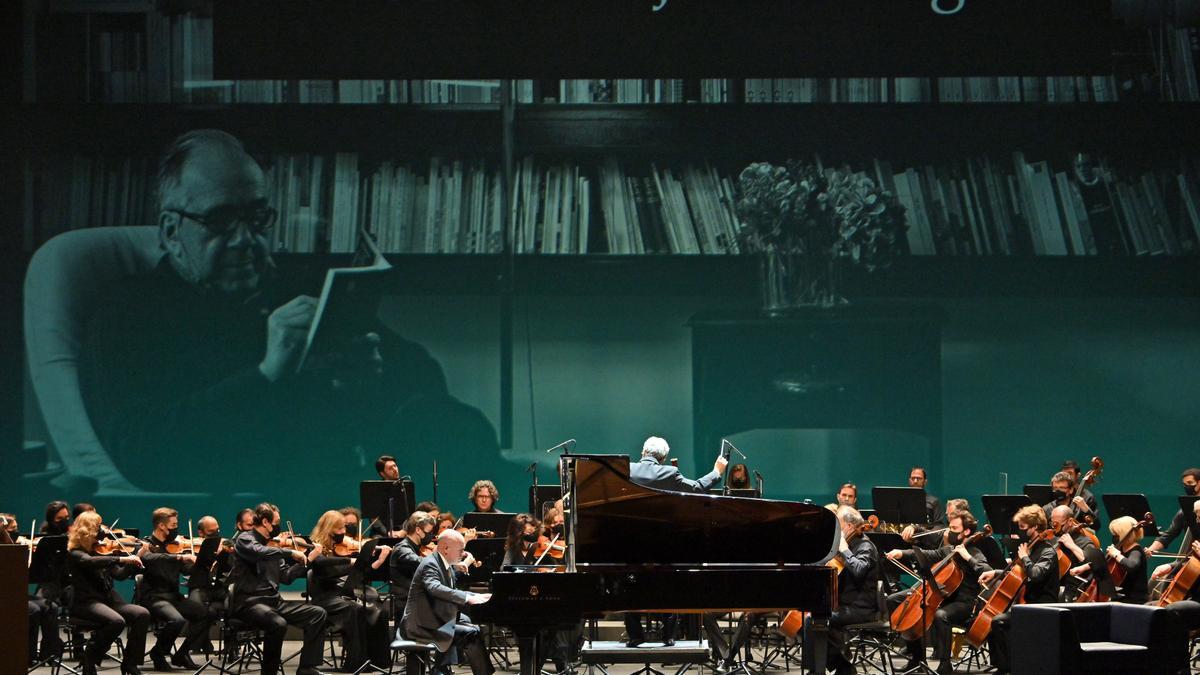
(634, 548)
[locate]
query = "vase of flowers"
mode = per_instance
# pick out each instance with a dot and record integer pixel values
(803, 220)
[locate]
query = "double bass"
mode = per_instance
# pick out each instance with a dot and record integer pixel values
(915, 615)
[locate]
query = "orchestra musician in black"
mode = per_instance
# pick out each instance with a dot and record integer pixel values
(957, 608)
(96, 601)
(1063, 487)
(857, 588)
(258, 571)
(1081, 550)
(1190, 480)
(159, 593)
(1039, 560)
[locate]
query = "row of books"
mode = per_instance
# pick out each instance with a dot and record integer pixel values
(974, 206)
(980, 206)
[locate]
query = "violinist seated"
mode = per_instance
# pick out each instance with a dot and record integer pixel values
(96, 601)
(1079, 544)
(159, 592)
(1063, 488)
(259, 568)
(857, 587)
(364, 628)
(208, 582)
(1127, 552)
(433, 611)
(957, 607)
(405, 558)
(521, 544)
(1039, 562)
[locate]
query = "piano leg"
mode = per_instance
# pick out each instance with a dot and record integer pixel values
(530, 649)
(819, 642)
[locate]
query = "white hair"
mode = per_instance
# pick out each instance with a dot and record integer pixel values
(657, 448)
(850, 515)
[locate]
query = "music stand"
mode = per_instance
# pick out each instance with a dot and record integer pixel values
(493, 522)
(490, 552)
(1039, 493)
(1186, 504)
(389, 501)
(867, 513)
(49, 561)
(207, 553)
(899, 504)
(1000, 510)
(539, 495)
(1133, 505)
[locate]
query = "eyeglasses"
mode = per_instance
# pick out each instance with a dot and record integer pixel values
(225, 221)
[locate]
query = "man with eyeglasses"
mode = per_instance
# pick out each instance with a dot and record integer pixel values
(198, 359)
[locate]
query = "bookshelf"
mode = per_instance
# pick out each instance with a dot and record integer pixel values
(1139, 127)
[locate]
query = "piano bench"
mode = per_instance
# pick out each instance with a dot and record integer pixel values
(418, 656)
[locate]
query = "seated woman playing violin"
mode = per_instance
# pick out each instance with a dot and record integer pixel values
(165, 559)
(521, 543)
(363, 627)
(93, 567)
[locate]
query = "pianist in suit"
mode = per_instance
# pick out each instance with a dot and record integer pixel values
(654, 472)
(432, 611)
(858, 600)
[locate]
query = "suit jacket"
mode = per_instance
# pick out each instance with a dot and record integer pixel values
(650, 473)
(433, 603)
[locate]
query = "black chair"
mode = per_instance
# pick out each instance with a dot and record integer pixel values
(418, 656)
(871, 644)
(1101, 637)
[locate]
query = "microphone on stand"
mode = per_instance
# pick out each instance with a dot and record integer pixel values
(435, 481)
(570, 442)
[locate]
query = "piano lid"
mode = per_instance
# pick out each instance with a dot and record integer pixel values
(619, 522)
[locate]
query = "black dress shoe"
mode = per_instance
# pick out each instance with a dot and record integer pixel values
(182, 660)
(669, 642)
(634, 642)
(307, 670)
(130, 670)
(159, 660)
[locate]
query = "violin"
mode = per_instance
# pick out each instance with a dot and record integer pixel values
(470, 533)
(793, 621)
(184, 544)
(347, 548)
(915, 615)
(290, 540)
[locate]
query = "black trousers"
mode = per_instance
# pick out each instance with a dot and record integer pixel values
(112, 617)
(43, 616)
(466, 639)
(633, 625)
(273, 619)
(177, 614)
(842, 616)
(364, 630)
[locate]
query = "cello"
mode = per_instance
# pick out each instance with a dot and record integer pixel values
(1009, 591)
(1116, 571)
(1183, 581)
(915, 615)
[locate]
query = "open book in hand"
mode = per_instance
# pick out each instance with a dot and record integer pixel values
(348, 307)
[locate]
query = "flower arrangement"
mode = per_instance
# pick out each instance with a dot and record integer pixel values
(798, 208)
(804, 218)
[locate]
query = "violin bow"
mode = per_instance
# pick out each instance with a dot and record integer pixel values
(32, 531)
(191, 541)
(547, 551)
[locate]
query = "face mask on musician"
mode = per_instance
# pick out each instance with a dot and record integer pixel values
(1059, 495)
(532, 536)
(276, 530)
(1189, 490)
(954, 538)
(428, 538)
(337, 538)
(352, 529)
(172, 533)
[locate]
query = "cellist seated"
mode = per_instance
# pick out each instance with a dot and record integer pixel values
(955, 609)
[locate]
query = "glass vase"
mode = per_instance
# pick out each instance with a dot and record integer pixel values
(790, 281)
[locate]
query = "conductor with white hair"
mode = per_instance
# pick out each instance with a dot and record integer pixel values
(654, 471)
